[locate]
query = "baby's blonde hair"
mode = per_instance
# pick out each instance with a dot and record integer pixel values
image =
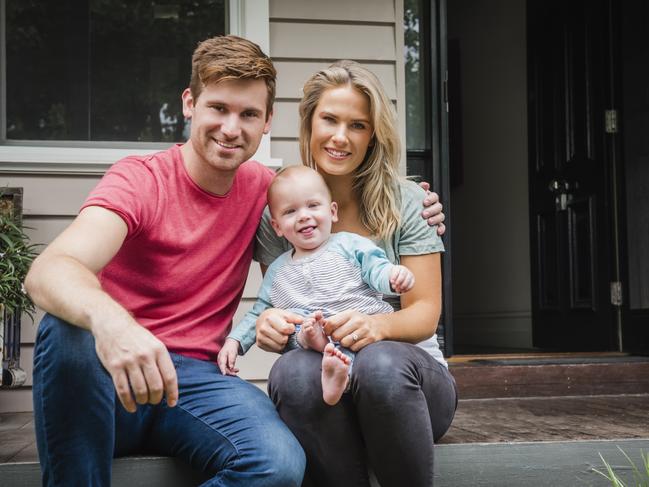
(292, 172)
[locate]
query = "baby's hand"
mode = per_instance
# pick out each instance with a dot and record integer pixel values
(227, 357)
(401, 279)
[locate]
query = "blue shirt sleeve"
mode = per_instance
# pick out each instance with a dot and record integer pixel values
(245, 332)
(374, 264)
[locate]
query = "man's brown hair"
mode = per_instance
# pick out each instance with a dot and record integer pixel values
(231, 57)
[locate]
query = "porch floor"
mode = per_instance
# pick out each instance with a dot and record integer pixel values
(498, 420)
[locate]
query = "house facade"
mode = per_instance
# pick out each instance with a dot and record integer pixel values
(526, 115)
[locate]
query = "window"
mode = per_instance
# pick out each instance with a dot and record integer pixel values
(102, 70)
(105, 109)
(418, 92)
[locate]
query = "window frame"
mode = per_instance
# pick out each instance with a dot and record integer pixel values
(247, 18)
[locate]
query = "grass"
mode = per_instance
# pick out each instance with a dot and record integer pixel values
(640, 475)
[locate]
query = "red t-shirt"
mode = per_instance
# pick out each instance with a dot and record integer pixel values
(185, 259)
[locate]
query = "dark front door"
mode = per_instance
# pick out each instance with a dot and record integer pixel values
(571, 239)
(633, 98)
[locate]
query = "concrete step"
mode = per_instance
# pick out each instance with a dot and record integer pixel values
(550, 375)
(460, 465)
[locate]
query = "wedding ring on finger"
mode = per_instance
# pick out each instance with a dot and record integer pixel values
(354, 337)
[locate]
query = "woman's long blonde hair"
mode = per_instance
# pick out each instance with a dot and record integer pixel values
(376, 179)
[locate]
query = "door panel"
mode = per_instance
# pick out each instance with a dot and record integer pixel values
(567, 87)
(634, 73)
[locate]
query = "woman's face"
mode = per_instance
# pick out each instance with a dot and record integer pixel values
(341, 131)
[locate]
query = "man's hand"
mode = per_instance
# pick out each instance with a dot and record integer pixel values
(138, 362)
(227, 357)
(433, 209)
(274, 327)
(401, 279)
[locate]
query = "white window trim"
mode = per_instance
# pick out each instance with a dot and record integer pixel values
(248, 18)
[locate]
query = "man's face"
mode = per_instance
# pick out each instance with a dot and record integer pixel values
(228, 120)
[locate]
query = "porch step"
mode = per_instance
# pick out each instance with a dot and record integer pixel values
(483, 464)
(549, 375)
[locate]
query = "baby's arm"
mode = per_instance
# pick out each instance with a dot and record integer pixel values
(227, 357)
(376, 269)
(401, 279)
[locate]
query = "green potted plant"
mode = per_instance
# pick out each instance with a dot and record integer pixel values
(16, 255)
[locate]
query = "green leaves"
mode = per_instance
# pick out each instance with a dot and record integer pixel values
(16, 255)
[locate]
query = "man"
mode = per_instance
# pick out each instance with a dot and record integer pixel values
(141, 290)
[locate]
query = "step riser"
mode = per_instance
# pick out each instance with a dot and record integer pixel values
(492, 381)
(505, 465)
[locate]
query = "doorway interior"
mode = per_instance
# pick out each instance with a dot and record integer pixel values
(495, 264)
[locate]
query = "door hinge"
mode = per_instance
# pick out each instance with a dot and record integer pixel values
(611, 121)
(445, 90)
(616, 293)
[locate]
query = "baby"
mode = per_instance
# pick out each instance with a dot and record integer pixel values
(322, 275)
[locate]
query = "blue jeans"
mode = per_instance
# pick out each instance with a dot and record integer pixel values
(222, 426)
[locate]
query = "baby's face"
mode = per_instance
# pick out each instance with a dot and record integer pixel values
(302, 212)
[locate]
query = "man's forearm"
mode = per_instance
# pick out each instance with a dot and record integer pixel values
(65, 288)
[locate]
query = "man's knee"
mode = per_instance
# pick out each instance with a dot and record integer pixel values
(284, 460)
(64, 348)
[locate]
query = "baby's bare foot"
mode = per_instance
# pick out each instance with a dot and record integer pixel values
(335, 366)
(312, 336)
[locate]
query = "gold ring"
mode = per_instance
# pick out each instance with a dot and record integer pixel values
(354, 337)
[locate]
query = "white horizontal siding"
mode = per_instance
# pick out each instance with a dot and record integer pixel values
(332, 41)
(292, 74)
(334, 10)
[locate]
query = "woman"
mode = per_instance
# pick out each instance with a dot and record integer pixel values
(402, 397)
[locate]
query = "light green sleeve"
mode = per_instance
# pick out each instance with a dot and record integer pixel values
(415, 236)
(268, 246)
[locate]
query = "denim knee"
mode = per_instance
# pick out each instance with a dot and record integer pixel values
(65, 349)
(284, 461)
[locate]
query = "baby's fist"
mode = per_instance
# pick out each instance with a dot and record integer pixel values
(401, 279)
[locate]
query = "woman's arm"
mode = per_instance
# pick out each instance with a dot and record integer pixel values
(416, 321)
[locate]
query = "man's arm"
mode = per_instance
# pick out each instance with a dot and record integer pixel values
(432, 212)
(63, 281)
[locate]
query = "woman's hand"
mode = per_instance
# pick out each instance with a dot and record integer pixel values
(353, 329)
(274, 327)
(433, 209)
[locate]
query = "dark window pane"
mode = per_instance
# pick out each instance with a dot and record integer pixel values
(102, 70)
(415, 64)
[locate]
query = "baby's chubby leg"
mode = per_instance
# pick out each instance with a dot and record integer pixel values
(335, 374)
(311, 334)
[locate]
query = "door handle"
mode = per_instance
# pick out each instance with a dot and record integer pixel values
(562, 198)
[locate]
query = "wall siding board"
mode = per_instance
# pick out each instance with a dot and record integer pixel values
(377, 11)
(286, 120)
(291, 76)
(287, 150)
(332, 41)
(16, 400)
(51, 195)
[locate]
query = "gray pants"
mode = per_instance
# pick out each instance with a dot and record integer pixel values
(401, 401)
